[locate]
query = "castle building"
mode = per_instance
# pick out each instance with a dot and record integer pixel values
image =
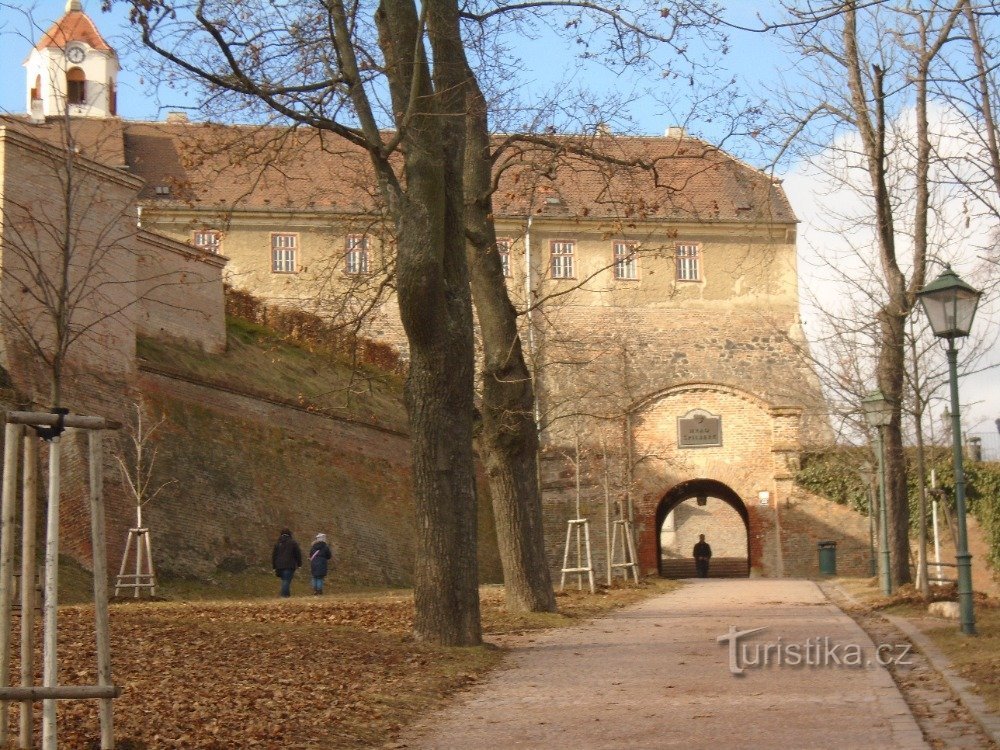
(657, 282)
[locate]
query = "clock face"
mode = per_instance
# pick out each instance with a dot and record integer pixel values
(75, 54)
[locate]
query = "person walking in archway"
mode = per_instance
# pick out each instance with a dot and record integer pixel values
(702, 554)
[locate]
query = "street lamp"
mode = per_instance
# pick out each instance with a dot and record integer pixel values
(878, 414)
(950, 305)
(867, 474)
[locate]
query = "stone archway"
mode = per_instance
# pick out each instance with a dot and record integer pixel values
(732, 556)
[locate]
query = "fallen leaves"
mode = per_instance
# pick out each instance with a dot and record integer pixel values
(330, 672)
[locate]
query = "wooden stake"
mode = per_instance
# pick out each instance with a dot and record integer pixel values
(12, 452)
(50, 659)
(101, 623)
(29, 514)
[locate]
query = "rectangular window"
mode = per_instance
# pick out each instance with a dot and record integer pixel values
(686, 259)
(503, 248)
(356, 255)
(208, 240)
(626, 263)
(283, 249)
(562, 259)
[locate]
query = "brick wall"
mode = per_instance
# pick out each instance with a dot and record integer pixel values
(245, 468)
(180, 293)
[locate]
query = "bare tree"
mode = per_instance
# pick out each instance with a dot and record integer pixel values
(351, 70)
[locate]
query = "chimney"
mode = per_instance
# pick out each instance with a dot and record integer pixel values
(177, 117)
(674, 131)
(602, 130)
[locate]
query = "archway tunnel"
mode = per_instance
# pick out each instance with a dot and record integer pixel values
(696, 507)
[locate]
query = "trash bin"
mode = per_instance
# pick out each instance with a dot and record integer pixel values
(828, 558)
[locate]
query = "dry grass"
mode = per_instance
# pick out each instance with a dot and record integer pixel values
(976, 658)
(257, 361)
(309, 672)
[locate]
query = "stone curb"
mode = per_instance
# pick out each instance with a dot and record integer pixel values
(962, 688)
(988, 720)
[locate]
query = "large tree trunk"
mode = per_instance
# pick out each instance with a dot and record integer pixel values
(508, 436)
(891, 317)
(891, 364)
(436, 311)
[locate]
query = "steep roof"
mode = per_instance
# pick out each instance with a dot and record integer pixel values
(74, 26)
(621, 177)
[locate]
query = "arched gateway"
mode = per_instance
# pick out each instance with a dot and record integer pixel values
(709, 507)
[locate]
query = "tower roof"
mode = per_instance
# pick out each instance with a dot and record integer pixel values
(74, 26)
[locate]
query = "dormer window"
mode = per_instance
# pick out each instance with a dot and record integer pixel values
(76, 86)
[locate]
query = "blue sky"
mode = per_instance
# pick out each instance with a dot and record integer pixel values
(756, 60)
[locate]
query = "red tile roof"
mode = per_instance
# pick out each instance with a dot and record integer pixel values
(75, 26)
(221, 167)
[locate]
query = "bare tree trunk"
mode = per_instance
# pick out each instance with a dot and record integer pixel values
(436, 311)
(508, 436)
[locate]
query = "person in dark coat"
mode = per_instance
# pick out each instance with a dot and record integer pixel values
(286, 558)
(702, 554)
(319, 556)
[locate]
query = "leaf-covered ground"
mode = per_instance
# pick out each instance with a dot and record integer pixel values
(306, 672)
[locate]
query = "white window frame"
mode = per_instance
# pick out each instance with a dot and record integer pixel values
(356, 256)
(503, 249)
(687, 261)
(284, 252)
(209, 240)
(562, 255)
(626, 261)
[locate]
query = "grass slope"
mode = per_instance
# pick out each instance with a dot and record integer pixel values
(259, 362)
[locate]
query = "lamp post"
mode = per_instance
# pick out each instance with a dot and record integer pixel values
(867, 474)
(950, 305)
(878, 413)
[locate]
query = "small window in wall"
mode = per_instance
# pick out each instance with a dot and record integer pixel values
(356, 255)
(208, 239)
(36, 91)
(688, 263)
(76, 86)
(562, 252)
(503, 248)
(112, 97)
(283, 250)
(626, 263)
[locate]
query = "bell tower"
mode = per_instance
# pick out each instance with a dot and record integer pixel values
(72, 69)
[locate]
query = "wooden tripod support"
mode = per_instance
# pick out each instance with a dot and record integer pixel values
(623, 530)
(144, 577)
(50, 690)
(578, 529)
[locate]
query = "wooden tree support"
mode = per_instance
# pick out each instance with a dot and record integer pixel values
(581, 527)
(623, 530)
(50, 691)
(144, 576)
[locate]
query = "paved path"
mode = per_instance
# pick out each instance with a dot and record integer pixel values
(653, 676)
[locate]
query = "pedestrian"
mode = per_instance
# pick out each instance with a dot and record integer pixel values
(702, 554)
(285, 559)
(319, 554)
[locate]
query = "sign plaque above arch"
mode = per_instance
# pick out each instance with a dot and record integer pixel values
(699, 429)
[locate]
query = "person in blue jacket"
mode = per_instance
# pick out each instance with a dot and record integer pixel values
(319, 556)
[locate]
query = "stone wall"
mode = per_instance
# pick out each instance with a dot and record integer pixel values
(722, 526)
